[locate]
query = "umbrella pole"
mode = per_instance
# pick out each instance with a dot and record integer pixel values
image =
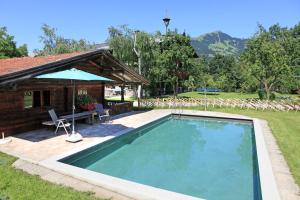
(73, 109)
(74, 137)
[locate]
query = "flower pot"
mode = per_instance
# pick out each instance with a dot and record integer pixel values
(88, 107)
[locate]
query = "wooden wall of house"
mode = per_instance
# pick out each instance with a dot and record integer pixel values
(14, 118)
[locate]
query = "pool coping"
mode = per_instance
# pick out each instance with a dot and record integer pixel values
(135, 190)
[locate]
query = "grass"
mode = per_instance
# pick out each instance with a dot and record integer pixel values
(16, 184)
(228, 95)
(285, 127)
(119, 98)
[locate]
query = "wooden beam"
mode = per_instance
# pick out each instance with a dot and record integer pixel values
(118, 76)
(95, 64)
(112, 70)
(130, 72)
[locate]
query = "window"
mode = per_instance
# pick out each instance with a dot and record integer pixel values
(82, 92)
(46, 98)
(36, 99)
(28, 100)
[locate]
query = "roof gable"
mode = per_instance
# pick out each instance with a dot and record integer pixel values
(17, 69)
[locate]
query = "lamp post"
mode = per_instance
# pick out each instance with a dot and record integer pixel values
(138, 54)
(167, 22)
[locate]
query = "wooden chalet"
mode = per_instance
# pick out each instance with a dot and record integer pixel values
(25, 101)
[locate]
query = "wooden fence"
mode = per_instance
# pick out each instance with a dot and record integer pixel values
(278, 105)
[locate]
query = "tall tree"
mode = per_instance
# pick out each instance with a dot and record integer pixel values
(56, 44)
(8, 47)
(175, 58)
(143, 49)
(121, 41)
(266, 60)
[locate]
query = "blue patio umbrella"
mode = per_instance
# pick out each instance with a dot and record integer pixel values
(73, 74)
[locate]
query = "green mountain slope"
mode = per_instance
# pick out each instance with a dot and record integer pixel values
(218, 42)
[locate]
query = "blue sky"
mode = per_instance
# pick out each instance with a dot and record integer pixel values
(90, 19)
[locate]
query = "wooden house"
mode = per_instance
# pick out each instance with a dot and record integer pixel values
(25, 100)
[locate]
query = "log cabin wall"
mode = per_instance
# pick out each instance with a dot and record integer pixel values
(15, 118)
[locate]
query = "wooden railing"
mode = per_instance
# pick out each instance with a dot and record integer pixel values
(280, 105)
(118, 107)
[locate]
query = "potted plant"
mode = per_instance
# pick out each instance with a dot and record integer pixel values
(85, 102)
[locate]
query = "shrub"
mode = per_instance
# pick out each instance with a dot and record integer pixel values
(272, 96)
(262, 94)
(2, 197)
(83, 100)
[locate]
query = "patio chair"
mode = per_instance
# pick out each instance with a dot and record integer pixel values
(59, 123)
(101, 112)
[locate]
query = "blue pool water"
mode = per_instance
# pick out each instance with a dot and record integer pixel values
(203, 157)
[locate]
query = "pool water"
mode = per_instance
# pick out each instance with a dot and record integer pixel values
(203, 157)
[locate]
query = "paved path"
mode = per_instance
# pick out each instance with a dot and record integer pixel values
(41, 144)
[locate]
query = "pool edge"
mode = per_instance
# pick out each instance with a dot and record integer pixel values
(268, 184)
(269, 188)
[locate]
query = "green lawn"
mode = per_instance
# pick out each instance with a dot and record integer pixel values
(119, 98)
(16, 184)
(228, 95)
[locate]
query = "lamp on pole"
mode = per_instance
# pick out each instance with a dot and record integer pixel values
(167, 22)
(138, 54)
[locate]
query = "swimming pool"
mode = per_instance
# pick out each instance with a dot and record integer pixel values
(210, 158)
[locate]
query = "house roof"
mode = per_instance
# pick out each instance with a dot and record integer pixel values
(12, 65)
(16, 69)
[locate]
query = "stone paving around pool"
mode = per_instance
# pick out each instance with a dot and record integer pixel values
(35, 146)
(41, 144)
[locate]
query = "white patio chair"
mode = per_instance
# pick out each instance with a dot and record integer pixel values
(59, 123)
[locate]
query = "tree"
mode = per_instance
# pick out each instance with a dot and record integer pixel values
(198, 74)
(294, 53)
(56, 44)
(266, 60)
(120, 40)
(175, 58)
(8, 47)
(226, 72)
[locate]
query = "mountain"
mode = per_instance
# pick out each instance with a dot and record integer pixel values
(218, 42)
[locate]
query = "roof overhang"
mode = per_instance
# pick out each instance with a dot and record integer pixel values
(102, 59)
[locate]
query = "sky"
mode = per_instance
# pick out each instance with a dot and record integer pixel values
(90, 19)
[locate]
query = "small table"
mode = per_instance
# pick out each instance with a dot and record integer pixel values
(88, 115)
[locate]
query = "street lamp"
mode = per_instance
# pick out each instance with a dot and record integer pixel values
(167, 22)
